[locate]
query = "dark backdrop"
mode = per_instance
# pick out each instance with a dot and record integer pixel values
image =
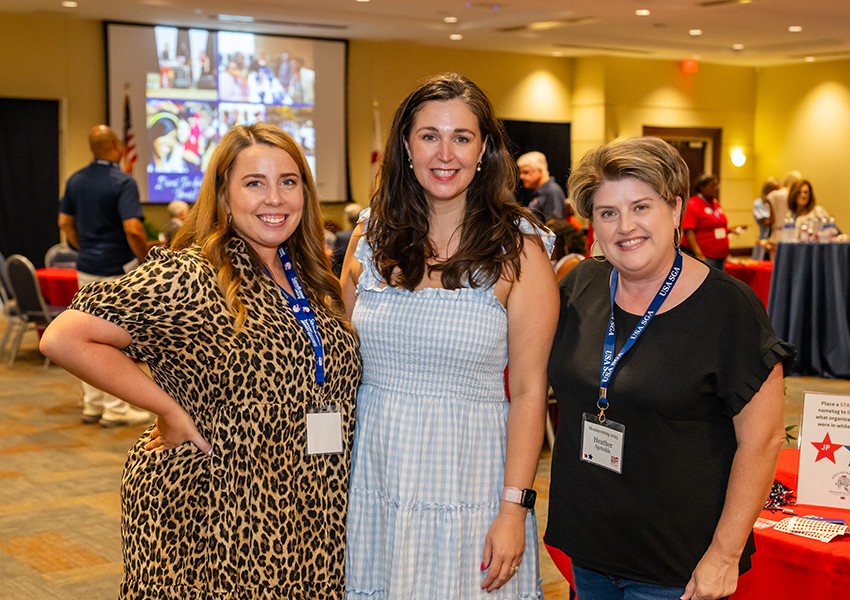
(552, 139)
(29, 177)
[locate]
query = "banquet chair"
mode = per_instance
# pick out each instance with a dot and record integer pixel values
(61, 256)
(32, 309)
(10, 306)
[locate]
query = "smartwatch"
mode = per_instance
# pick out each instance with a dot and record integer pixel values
(525, 498)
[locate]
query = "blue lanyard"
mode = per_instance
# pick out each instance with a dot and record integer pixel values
(301, 309)
(609, 361)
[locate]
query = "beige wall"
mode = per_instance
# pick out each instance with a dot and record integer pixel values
(53, 57)
(618, 96)
(803, 123)
(522, 87)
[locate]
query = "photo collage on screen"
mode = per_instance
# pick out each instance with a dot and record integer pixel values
(207, 82)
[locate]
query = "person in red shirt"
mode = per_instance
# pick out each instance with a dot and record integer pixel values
(706, 230)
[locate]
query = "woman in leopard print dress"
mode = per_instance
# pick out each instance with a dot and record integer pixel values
(225, 499)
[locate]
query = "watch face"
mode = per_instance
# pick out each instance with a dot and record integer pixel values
(529, 497)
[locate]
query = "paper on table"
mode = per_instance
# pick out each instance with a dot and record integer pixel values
(817, 530)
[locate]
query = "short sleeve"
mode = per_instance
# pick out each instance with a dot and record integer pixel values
(689, 221)
(163, 304)
(760, 210)
(129, 206)
(546, 236)
(751, 348)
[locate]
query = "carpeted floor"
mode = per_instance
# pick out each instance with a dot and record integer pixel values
(59, 481)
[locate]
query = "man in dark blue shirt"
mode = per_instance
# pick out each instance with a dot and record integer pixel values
(548, 201)
(101, 216)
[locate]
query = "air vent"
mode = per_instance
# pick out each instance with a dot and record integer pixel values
(636, 51)
(544, 25)
(711, 3)
(292, 24)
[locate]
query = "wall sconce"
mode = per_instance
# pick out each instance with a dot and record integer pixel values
(738, 157)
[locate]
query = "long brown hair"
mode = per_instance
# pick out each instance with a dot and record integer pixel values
(490, 238)
(207, 224)
(795, 190)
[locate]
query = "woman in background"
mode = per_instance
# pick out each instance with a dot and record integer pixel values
(232, 496)
(449, 282)
(765, 217)
(570, 246)
(706, 230)
(802, 205)
(669, 384)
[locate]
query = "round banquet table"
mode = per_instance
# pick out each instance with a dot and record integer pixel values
(810, 306)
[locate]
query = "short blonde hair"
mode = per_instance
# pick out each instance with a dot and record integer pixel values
(648, 159)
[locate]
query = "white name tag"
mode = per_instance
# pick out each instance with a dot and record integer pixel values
(602, 443)
(720, 233)
(324, 433)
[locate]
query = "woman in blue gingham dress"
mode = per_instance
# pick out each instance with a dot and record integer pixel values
(433, 444)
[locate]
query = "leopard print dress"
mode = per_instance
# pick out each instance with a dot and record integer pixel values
(260, 518)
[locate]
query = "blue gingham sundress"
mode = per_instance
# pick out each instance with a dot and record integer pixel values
(429, 447)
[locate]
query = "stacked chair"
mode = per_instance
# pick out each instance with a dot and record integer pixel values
(29, 303)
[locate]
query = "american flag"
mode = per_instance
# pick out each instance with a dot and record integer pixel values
(128, 160)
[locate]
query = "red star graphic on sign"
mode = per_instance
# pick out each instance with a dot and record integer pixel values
(826, 449)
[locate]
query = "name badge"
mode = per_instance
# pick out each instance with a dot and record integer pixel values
(602, 443)
(720, 233)
(324, 431)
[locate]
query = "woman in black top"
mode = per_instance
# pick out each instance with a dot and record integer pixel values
(665, 453)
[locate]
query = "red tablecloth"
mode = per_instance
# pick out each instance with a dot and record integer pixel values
(755, 274)
(58, 286)
(785, 566)
(790, 567)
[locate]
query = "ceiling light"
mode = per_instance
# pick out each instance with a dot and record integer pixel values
(557, 54)
(695, 32)
(737, 46)
(455, 36)
(810, 59)
(642, 12)
(235, 18)
(450, 19)
(363, 0)
(795, 29)
(69, 4)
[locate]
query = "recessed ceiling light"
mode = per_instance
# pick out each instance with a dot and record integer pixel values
(795, 29)
(455, 36)
(737, 46)
(810, 59)
(450, 19)
(642, 12)
(557, 54)
(235, 18)
(69, 4)
(363, 0)
(695, 32)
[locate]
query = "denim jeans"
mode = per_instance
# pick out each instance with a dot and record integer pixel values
(591, 585)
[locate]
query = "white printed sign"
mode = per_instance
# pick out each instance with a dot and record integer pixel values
(824, 478)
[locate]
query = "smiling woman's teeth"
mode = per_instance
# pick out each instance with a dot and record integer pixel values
(444, 173)
(631, 242)
(268, 219)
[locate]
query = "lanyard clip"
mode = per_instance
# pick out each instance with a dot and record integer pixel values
(602, 403)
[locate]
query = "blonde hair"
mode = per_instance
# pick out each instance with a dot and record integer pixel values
(207, 224)
(648, 159)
